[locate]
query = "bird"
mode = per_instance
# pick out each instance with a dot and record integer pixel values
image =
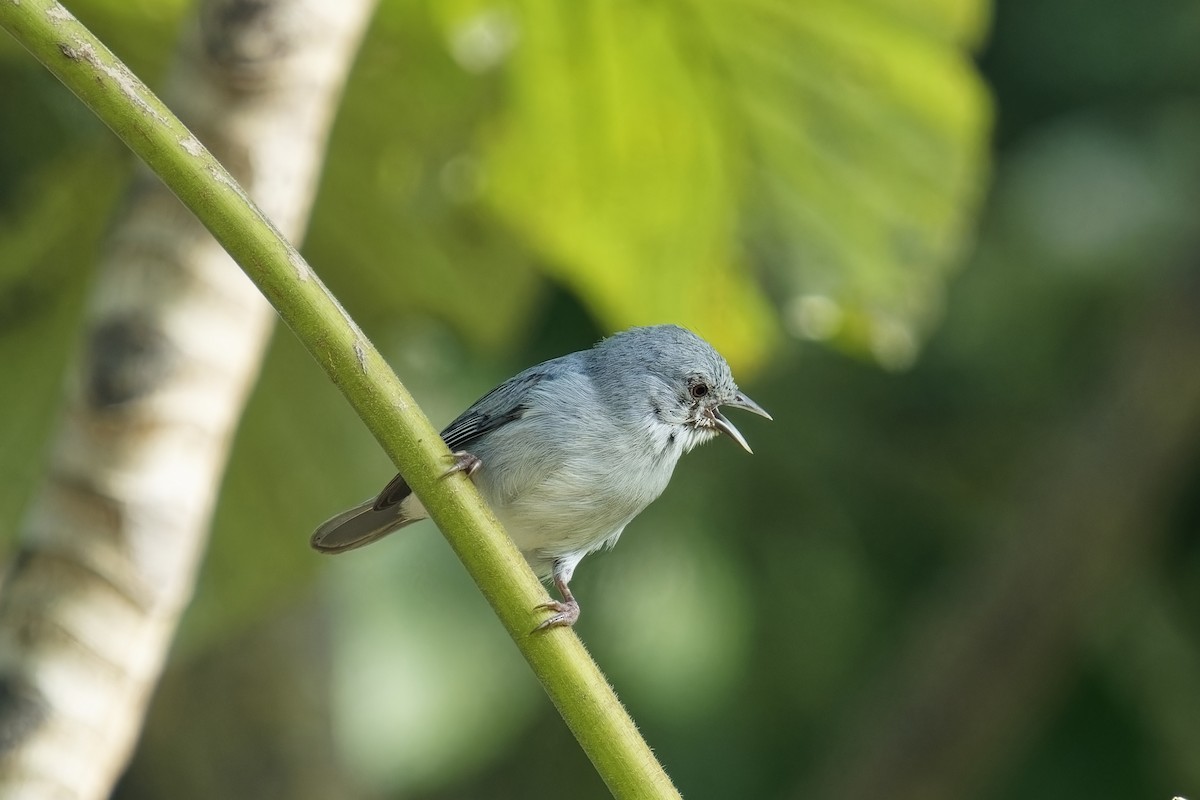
(568, 452)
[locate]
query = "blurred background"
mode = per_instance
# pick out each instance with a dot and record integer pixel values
(952, 248)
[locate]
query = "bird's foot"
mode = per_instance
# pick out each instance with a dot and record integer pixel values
(463, 462)
(566, 613)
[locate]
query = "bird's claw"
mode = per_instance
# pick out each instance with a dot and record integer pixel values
(463, 462)
(565, 614)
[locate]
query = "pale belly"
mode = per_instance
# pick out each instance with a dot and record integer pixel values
(570, 512)
(567, 495)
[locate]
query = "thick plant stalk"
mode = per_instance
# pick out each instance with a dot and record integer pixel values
(175, 336)
(567, 673)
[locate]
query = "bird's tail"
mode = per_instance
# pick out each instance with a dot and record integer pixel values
(360, 526)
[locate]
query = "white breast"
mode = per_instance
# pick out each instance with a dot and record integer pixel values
(563, 486)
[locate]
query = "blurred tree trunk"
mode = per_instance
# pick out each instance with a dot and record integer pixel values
(981, 666)
(174, 337)
(268, 737)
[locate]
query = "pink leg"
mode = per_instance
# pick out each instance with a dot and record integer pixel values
(464, 462)
(566, 610)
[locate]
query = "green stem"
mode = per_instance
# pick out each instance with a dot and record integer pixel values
(116, 96)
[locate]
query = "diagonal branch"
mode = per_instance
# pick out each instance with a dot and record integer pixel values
(568, 674)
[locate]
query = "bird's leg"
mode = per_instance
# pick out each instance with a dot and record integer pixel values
(463, 462)
(567, 609)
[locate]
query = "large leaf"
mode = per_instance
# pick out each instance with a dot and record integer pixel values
(609, 156)
(659, 154)
(867, 135)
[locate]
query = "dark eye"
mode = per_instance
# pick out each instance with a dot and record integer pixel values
(698, 390)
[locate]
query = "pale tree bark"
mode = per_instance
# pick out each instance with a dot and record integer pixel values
(175, 335)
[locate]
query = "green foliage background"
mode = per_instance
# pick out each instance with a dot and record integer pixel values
(797, 181)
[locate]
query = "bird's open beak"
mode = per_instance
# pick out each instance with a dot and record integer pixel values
(726, 427)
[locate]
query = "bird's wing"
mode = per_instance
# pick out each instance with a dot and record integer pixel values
(505, 403)
(501, 405)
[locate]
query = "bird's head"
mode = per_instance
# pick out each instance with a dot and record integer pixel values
(707, 393)
(676, 378)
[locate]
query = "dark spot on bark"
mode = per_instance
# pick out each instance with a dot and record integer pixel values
(22, 711)
(19, 562)
(128, 358)
(243, 36)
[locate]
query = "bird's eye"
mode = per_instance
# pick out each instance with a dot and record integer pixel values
(699, 390)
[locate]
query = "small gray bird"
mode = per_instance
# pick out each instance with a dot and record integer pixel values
(567, 453)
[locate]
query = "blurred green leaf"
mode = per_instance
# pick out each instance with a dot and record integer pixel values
(658, 153)
(609, 156)
(952, 21)
(869, 152)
